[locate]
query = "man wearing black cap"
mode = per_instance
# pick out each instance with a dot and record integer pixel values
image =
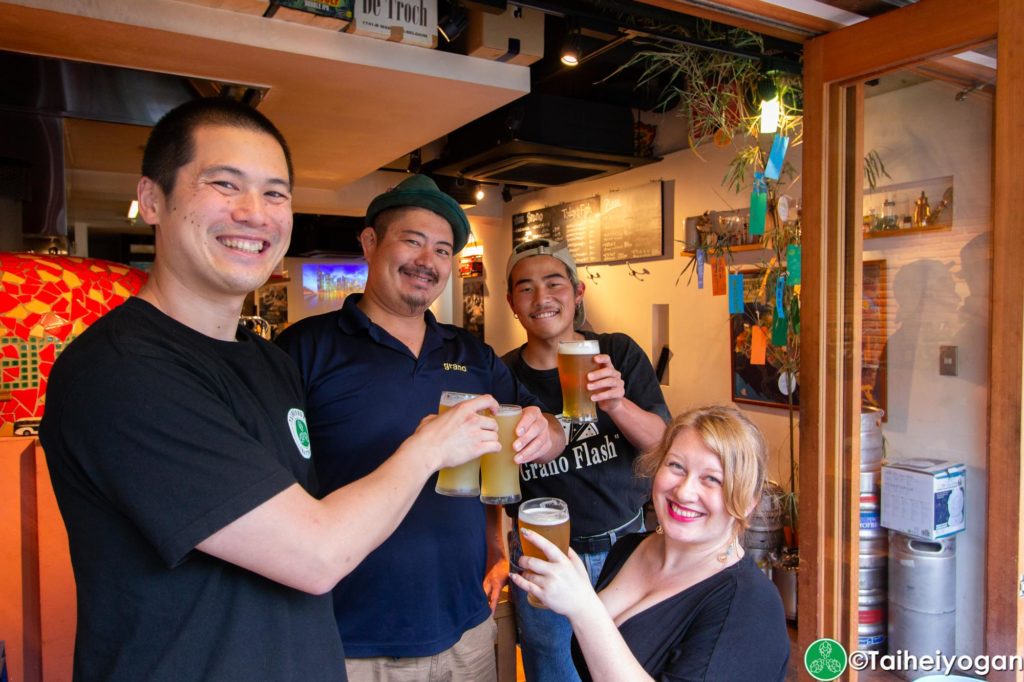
(595, 473)
(419, 608)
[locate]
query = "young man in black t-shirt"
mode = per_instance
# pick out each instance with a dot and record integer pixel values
(594, 474)
(178, 447)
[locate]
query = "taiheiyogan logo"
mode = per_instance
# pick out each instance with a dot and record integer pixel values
(300, 432)
(825, 659)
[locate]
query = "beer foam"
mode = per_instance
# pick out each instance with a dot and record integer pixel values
(586, 347)
(508, 410)
(540, 516)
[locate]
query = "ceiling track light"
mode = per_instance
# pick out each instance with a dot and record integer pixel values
(454, 23)
(571, 53)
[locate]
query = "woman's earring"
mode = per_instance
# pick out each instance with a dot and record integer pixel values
(515, 316)
(659, 530)
(724, 556)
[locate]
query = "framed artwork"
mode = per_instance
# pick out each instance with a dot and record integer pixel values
(764, 384)
(757, 384)
(272, 306)
(473, 306)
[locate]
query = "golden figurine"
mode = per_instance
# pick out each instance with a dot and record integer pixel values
(921, 211)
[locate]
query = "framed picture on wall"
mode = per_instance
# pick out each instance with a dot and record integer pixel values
(757, 384)
(764, 385)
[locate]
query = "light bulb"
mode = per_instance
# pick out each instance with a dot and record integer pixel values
(770, 115)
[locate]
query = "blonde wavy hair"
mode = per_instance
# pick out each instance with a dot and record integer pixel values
(739, 445)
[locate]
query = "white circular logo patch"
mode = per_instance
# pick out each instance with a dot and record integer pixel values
(300, 432)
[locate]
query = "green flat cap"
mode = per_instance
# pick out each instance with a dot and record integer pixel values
(422, 192)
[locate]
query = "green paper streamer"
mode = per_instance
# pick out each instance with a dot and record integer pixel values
(779, 331)
(793, 264)
(758, 210)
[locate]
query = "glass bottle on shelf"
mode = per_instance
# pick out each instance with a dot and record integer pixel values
(889, 220)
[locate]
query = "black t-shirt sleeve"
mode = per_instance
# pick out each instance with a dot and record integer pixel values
(642, 385)
(165, 450)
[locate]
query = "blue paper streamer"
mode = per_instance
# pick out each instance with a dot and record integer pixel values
(773, 168)
(700, 268)
(780, 287)
(735, 294)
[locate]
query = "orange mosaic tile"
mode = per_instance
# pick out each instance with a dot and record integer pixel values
(45, 301)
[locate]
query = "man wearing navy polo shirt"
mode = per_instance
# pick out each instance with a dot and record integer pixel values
(419, 607)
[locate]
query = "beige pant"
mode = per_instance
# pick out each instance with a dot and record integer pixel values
(470, 660)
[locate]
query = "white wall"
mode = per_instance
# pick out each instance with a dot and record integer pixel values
(698, 329)
(923, 132)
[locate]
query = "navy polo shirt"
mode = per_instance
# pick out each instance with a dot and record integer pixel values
(418, 592)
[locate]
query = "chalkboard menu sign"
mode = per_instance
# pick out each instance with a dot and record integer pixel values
(617, 226)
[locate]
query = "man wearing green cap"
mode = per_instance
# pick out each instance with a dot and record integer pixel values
(419, 607)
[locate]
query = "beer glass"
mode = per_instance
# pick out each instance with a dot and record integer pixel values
(499, 475)
(575, 360)
(463, 480)
(547, 516)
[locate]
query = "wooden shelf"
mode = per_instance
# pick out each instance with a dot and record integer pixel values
(879, 234)
(903, 196)
(735, 249)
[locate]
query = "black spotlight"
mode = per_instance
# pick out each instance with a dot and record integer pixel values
(454, 23)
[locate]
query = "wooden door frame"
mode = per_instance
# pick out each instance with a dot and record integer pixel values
(829, 451)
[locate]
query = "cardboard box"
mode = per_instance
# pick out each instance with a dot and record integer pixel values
(924, 498)
(413, 22)
(515, 36)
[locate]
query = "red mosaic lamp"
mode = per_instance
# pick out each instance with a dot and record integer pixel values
(45, 302)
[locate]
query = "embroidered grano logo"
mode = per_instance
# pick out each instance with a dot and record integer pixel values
(454, 367)
(300, 432)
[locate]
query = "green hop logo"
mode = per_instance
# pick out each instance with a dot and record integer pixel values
(825, 659)
(302, 431)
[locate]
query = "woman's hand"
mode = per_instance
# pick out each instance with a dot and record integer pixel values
(561, 582)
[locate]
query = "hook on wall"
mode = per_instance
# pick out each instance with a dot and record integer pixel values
(592, 276)
(633, 272)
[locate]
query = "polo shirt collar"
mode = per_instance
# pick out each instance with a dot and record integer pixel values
(351, 320)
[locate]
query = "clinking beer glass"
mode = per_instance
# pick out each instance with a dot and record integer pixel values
(463, 480)
(547, 516)
(499, 474)
(575, 361)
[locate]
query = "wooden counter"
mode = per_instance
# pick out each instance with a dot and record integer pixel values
(37, 609)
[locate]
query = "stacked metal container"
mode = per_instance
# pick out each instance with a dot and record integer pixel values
(764, 537)
(874, 540)
(922, 606)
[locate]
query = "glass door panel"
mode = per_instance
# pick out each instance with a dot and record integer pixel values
(925, 259)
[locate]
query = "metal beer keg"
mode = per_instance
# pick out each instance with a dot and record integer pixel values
(922, 596)
(764, 531)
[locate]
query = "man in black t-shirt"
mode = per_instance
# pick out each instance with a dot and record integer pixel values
(594, 474)
(178, 447)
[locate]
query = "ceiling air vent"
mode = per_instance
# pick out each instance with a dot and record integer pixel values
(543, 141)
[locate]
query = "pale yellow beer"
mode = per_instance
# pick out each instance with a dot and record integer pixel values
(575, 361)
(499, 475)
(547, 516)
(463, 480)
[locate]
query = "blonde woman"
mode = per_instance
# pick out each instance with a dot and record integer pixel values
(682, 602)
